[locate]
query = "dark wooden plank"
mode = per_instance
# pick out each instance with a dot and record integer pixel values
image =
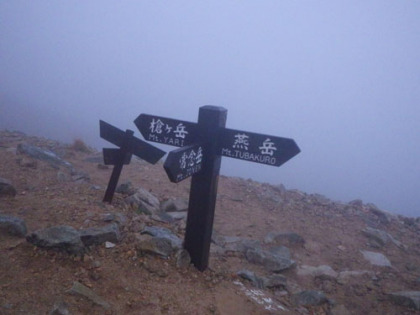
(203, 190)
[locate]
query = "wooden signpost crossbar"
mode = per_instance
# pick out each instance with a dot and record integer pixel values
(202, 146)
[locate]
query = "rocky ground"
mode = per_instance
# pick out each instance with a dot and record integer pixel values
(274, 251)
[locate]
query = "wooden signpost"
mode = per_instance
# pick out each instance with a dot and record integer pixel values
(118, 157)
(202, 145)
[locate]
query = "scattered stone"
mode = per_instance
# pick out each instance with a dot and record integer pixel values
(109, 245)
(27, 162)
(380, 237)
(60, 308)
(143, 202)
(126, 189)
(82, 290)
(61, 237)
(6, 188)
(12, 226)
(406, 298)
(154, 245)
(275, 281)
(344, 276)
(377, 259)
(147, 198)
(176, 216)
(99, 235)
(322, 271)
(117, 217)
(164, 233)
(41, 154)
(288, 238)
(183, 258)
(309, 298)
(272, 260)
(235, 243)
(80, 177)
(251, 276)
(174, 205)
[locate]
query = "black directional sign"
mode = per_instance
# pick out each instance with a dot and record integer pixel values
(113, 156)
(166, 130)
(202, 146)
(255, 147)
(118, 157)
(133, 145)
(184, 162)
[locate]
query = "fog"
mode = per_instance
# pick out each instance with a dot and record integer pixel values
(341, 78)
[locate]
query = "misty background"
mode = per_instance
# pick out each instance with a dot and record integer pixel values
(341, 78)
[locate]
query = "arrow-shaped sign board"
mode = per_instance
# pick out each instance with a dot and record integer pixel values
(132, 144)
(184, 162)
(255, 147)
(166, 130)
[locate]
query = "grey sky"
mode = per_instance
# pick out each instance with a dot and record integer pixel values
(342, 78)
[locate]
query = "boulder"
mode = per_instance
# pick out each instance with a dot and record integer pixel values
(377, 259)
(6, 188)
(41, 154)
(410, 299)
(381, 238)
(161, 232)
(309, 298)
(80, 289)
(12, 226)
(322, 271)
(174, 205)
(284, 238)
(100, 235)
(274, 260)
(154, 245)
(61, 237)
(144, 202)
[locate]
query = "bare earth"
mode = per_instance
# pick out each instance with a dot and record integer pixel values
(33, 280)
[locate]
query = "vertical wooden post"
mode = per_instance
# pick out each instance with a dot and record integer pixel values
(116, 171)
(203, 190)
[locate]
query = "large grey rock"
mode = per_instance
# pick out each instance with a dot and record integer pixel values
(406, 298)
(154, 245)
(13, 226)
(126, 189)
(381, 237)
(345, 276)
(284, 238)
(174, 205)
(99, 235)
(377, 259)
(274, 260)
(272, 281)
(309, 298)
(41, 154)
(61, 237)
(235, 243)
(322, 271)
(6, 188)
(60, 308)
(144, 202)
(161, 232)
(275, 281)
(84, 291)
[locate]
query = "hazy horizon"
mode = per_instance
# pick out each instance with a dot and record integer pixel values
(340, 78)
